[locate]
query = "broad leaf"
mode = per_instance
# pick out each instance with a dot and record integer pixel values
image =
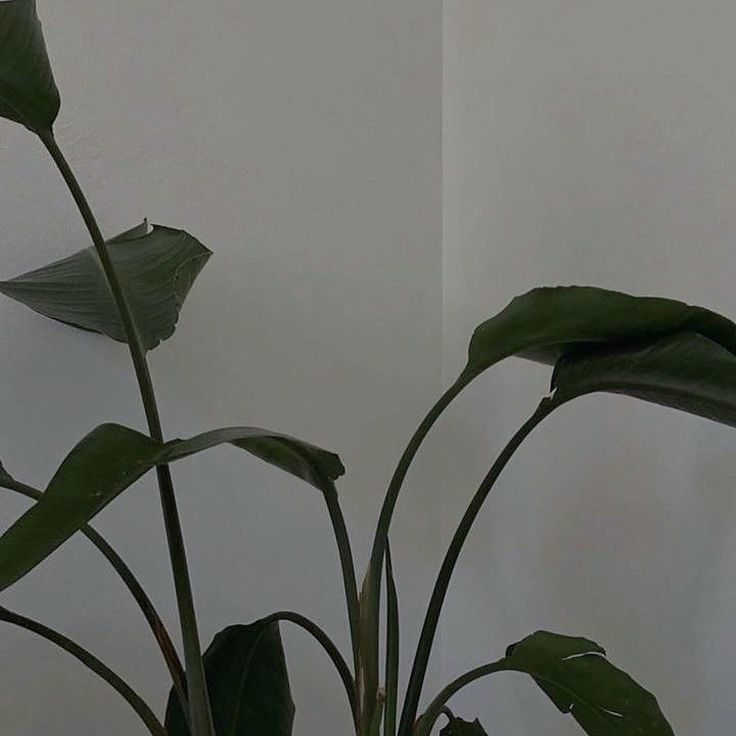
(546, 323)
(28, 94)
(577, 677)
(459, 727)
(575, 674)
(156, 269)
(248, 684)
(111, 458)
(686, 371)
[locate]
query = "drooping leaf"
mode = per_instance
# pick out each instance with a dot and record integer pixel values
(111, 458)
(545, 323)
(248, 684)
(685, 371)
(156, 269)
(28, 94)
(459, 727)
(577, 677)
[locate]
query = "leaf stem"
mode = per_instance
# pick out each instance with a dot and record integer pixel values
(89, 660)
(348, 568)
(392, 648)
(199, 705)
(372, 585)
(168, 650)
(328, 645)
(431, 620)
(437, 707)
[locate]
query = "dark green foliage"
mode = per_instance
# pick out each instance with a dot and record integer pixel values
(247, 682)
(577, 677)
(111, 458)
(156, 270)
(28, 94)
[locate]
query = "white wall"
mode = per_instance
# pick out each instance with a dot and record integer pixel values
(591, 142)
(301, 142)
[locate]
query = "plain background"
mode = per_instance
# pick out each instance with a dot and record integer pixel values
(303, 142)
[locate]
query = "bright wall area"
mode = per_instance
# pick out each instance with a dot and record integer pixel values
(591, 142)
(301, 142)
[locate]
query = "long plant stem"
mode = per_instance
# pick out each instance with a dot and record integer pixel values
(348, 569)
(158, 628)
(199, 706)
(330, 649)
(392, 649)
(89, 660)
(431, 620)
(372, 587)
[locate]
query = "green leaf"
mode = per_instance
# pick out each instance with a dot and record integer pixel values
(459, 727)
(546, 323)
(577, 677)
(156, 270)
(28, 94)
(248, 684)
(685, 371)
(111, 458)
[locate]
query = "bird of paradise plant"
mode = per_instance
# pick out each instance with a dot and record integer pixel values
(131, 288)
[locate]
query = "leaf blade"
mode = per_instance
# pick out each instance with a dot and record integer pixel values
(547, 322)
(685, 371)
(28, 93)
(248, 684)
(111, 458)
(156, 270)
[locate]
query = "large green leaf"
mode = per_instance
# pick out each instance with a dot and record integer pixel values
(579, 679)
(156, 270)
(459, 727)
(248, 684)
(28, 94)
(685, 371)
(545, 323)
(111, 458)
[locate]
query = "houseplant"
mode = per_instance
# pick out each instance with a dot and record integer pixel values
(132, 287)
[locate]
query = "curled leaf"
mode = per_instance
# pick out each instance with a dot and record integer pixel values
(156, 269)
(28, 93)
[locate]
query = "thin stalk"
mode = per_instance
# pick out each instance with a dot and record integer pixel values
(89, 660)
(392, 649)
(437, 707)
(168, 650)
(331, 650)
(372, 585)
(348, 568)
(431, 620)
(199, 705)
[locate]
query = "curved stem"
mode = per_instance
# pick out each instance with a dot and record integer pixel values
(126, 575)
(328, 645)
(199, 705)
(431, 620)
(372, 585)
(437, 707)
(348, 567)
(89, 660)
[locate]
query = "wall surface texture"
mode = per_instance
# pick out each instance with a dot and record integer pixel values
(584, 142)
(301, 142)
(591, 142)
